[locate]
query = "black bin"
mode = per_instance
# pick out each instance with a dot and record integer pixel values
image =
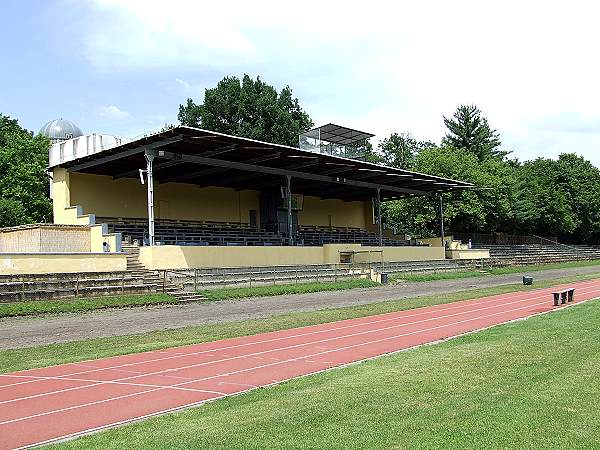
(527, 280)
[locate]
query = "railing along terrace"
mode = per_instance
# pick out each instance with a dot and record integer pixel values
(502, 238)
(313, 141)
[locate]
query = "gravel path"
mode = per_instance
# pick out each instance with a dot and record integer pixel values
(33, 331)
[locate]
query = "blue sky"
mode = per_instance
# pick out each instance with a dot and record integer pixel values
(124, 67)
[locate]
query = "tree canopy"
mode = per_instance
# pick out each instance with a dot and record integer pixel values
(465, 210)
(548, 197)
(401, 149)
(23, 180)
(469, 130)
(248, 108)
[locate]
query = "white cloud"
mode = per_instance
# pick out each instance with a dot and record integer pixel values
(155, 33)
(385, 66)
(184, 84)
(113, 112)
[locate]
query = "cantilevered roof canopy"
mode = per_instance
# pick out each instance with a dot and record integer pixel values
(206, 158)
(337, 134)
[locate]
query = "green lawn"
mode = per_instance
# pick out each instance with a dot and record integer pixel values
(47, 355)
(528, 384)
(416, 277)
(29, 308)
(59, 306)
(282, 289)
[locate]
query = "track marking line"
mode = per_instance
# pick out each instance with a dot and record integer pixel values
(229, 383)
(404, 313)
(19, 419)
(119, 383)
(275, 382)
(256, 354)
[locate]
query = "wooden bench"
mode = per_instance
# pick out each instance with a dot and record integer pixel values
(564, 296)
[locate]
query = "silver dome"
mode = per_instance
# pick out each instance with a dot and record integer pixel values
(60, 130)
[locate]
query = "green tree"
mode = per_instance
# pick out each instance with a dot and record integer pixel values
(559, 198)
(400, 150)
(11, 213)
(468, 130)
(248, 108)
(476, 210)
(23, 180)
(581, 183)
(371, 155)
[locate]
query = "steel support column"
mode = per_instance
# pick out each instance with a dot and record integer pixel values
(442, 219)
(379, 224)
(288, 180)
(150, 185)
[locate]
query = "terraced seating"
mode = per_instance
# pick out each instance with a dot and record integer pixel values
(444, 265)
(65, 285)
(313, 235)
(188, 232)
(185, 232)
(191, 280)
(539, 254)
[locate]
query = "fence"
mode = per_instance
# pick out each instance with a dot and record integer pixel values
(199, 279)
(502, 239)
(71, 285)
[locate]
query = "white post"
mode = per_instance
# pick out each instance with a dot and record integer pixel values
(442, 220)
(379, 224)
(289, 210)
(150, 183)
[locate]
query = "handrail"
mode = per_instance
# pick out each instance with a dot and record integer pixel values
(556, 243)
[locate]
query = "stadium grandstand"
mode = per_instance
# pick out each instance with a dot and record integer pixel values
(183, 191)
(156, 213)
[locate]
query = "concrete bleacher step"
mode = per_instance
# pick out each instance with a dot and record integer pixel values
(151, 278)
(539, 253)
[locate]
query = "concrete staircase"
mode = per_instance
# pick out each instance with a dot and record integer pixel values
(190, 279)
(162, 284)
(539, 253)
(15, 288)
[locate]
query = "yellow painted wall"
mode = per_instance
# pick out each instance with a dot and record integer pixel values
(176, 257)
(105, 197)
(405, 253)
(61, 197)
(468, 254)
(437, 241)
(39, 263)
(316, 212)
(99, 235)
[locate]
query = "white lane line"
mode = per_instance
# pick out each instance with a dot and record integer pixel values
(19, 419)
(392, 316)
(161, 372)
(93, 382)
(229, 383)
(120, 383)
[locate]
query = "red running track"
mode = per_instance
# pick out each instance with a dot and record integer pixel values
(42, 405)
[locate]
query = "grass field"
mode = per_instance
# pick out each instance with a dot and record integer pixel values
(282, 289)
(28, 308)
(47, 355)
(416, 277)
(528, 384)
(32, 308)
(60, 306)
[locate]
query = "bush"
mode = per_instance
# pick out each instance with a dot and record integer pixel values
(12, 213)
